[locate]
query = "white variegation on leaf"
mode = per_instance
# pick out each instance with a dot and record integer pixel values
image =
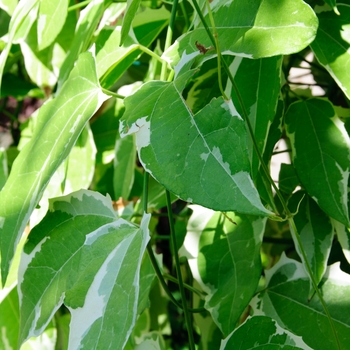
(201, 152)
(214, 245)
(286, 299)
(59, 124)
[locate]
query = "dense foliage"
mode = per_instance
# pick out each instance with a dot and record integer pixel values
(141, 204)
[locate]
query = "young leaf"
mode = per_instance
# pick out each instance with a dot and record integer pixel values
(331, 45)
(267, 334)
(60, 122)
(219, 261)
(52, 16)
(285, 299)
(256, 29)
(200, 152)
(316, 233)
(321, 154)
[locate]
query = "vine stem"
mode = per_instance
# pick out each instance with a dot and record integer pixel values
(188, 317)
(289, 215)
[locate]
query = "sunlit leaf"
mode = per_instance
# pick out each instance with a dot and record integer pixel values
(332, 43)
(52, 16)
(321, 154)
(101, 266)
(129, 15)
(267, 335)
(3, 167)
(255, 29)
(88, 20)
(286, 300)
(192, 148)
(8, 6)
(60, 122)
(218, 247)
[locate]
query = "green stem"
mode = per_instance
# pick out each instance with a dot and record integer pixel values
(169, 38)
(218, 52)
(79, 5)
(179, 274)
(187, 286)
(113, 94)
(293, 228)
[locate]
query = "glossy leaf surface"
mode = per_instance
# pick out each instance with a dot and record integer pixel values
(171, 140)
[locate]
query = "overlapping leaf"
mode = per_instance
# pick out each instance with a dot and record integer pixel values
(192, 155)
(255, 29)
(321, 154)
(225, 260)
(267, 334)
(60, 122)
(286, 300)
(95, 273)
(331, 45)
(315, 231)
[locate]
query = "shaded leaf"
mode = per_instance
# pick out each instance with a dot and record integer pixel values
(287, 178)
(218, 249)
(331, 44)
(315, 231)
(192, 148)
(60, 122)
(267, 335)
(3, 167)
(285, 299)
(343, 234)
(321, 154)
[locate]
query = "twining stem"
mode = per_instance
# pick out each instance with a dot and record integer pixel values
(187, 315)
(289, 215)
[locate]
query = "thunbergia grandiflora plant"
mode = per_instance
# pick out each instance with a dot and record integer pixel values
(138, 207)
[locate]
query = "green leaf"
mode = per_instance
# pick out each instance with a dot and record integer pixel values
(130, 12)
(124, 166)
(3, 167)
(315, 231)
(88, 20)
(285, 299)
(9, 320)
(218, 248)
(256, 29)
(38, 63)
(258, 82)
(21, 12)
(8, 6)
(52, 16)
(287, 178)
(192, 148)
(267, 335)
(60, 123)
(331, 44)
(343, 234)
(321, 154)
(99, 267)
